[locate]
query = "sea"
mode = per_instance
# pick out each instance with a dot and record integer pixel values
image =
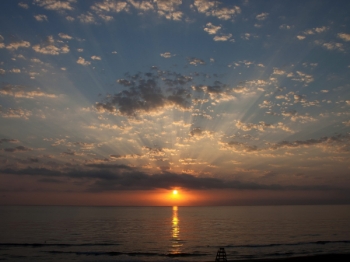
(173, 233)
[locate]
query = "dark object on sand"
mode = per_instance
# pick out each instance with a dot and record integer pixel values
(221, 255)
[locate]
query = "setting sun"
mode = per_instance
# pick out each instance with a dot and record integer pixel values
(175, 192)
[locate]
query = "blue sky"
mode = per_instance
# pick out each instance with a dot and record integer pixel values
(129, 96)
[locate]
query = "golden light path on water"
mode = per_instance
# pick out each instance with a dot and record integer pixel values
(175, 232)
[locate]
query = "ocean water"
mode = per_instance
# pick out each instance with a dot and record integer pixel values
(53, 233)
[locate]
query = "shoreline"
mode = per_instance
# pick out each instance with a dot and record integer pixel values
(307, 258)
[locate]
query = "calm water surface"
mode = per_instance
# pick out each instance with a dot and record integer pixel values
(171, 233)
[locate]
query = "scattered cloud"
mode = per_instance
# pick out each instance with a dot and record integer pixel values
(16, 45)
(40, 18)
(284, 26)
(211, 29)
(262, 16)
(64, 36)
(94, 57)
(83, 62)
(55, 5)
(344, 36)
(212, 8)
(222, 37)
(23, 5)
(167, 55)
(51, 47)
(195, 61)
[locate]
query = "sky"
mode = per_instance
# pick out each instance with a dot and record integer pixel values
(120, 102)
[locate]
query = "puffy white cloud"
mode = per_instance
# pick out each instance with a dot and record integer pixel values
(210, 8)
(333, 46)
(195, 61)
(301, 37)
(64, 36)
(222, 37)
(55, 4)
(169, 9)
(277, 71)
(262, 16)
(110, 6)
(15, 113)
(94, 57)
(262, 126)
(302, 77)
(40, 18)
(344, 36)
(70, 18)
(83, 62)
(51, 47)
(166, 55)
(87, 18)
(15, 70)
(211, 29)
(16, 45)
(142, 5)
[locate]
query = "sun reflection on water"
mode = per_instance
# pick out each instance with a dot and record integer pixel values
(175, 232)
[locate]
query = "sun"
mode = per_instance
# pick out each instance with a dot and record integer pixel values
(175, 192)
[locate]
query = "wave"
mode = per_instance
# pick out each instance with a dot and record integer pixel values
(113, 253)
(54, 245)
(290, 244)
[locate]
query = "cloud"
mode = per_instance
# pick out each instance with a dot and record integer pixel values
(83, 62)
(8, 140)
(70, 19)
(195, 61)
(223, 37)
(262, 16)
(301, 37)
(64, 36)
(166, 55)
(40, 18)
(277, 71)
(302, 77)
(239, 147)
(212, 8)
(15, 113)
(87, 18)
(332, 46)
(142, 5)
(15, 70)
(17, 149)
(284, 26)
(340, 143)
(294, 116)
(344, 36)
(145, 95)
(211, 29)
(23, 5)
(16, 45)
(55, 4)
(346, 123)
(94, 57)
(119, 178)
(51, 47)
(110, 6)
(18, 91)
(262, 126)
